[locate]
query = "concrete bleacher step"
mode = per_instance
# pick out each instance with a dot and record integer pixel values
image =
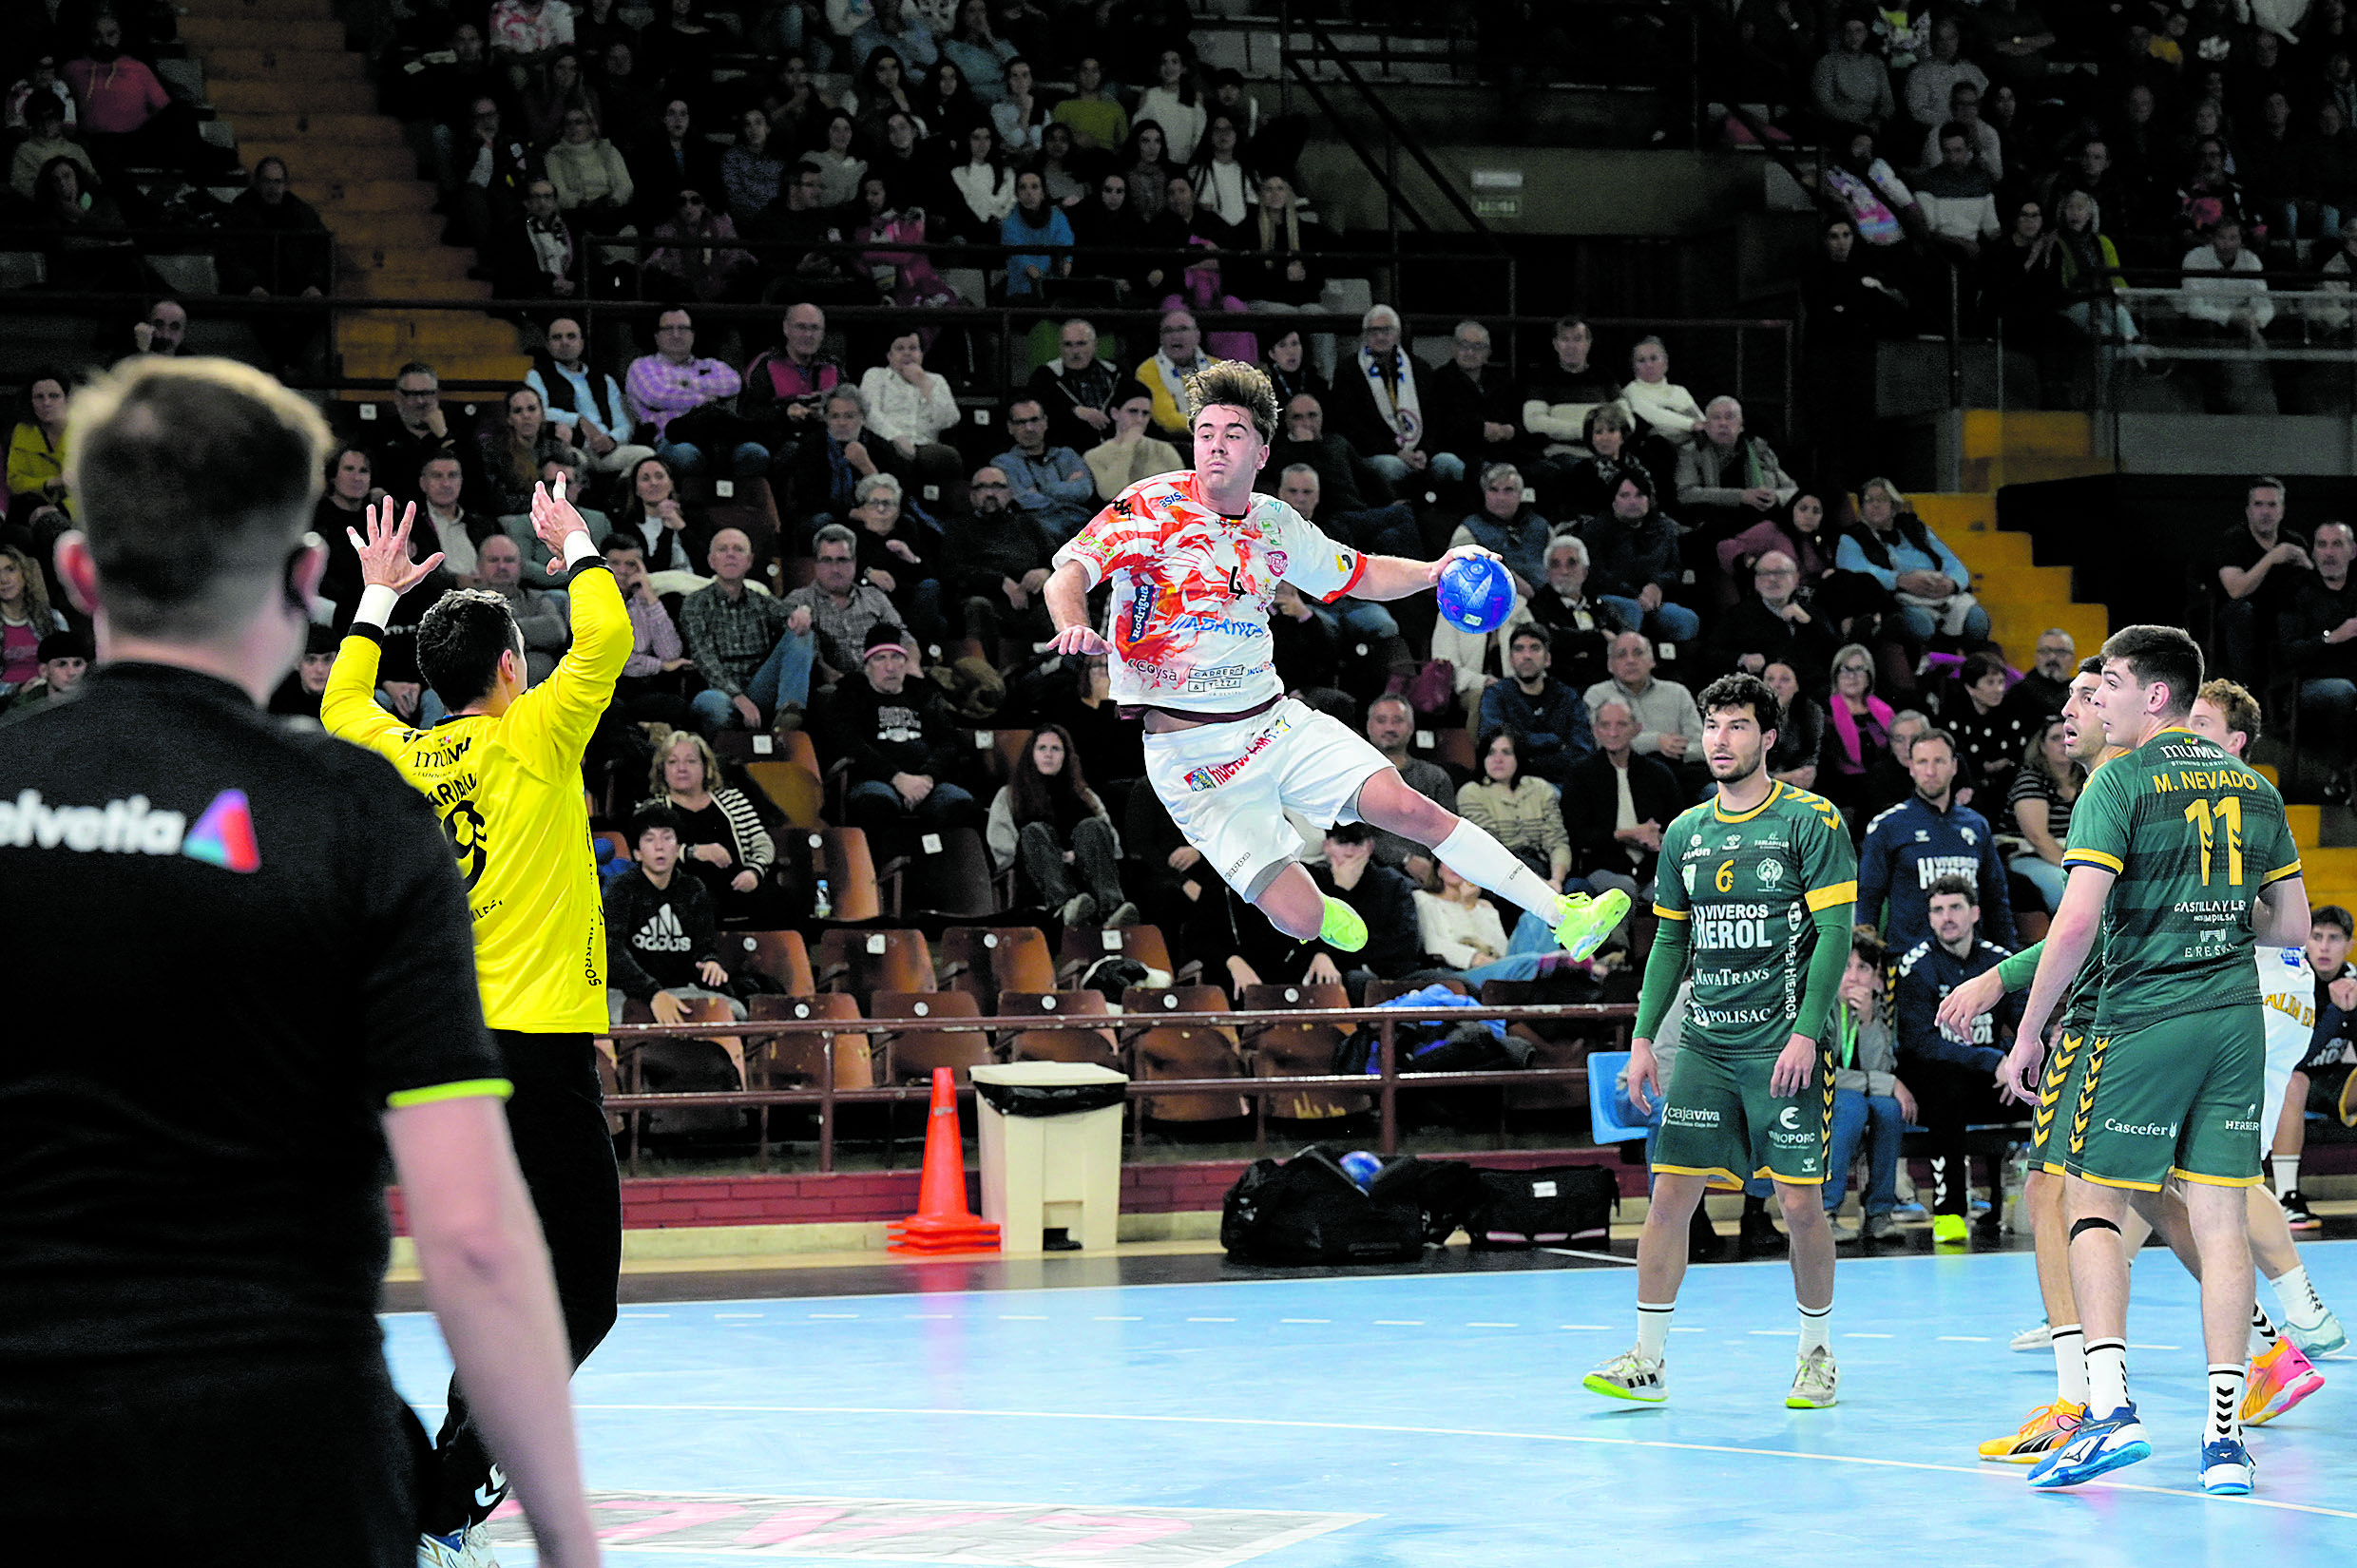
(339, 199)
(351, 161)
(1995, 472)
(2306, 824)
(354, 130)
(259, 95)
(217, 31)
(313, 67)
(289, 10)
(2022, 599)
(1994, 432)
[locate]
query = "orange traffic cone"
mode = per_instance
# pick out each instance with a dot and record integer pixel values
(942, 1222)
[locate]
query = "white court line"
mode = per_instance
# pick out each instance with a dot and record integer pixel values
(1964, 1339)
(745, 1314)
(1591, 1327)
(1849, 1334)
(1305, 1320)
(1211, 1320)
(1399, 1322)
(1984, 1472)
(1597, 1257)
(1772, 1333)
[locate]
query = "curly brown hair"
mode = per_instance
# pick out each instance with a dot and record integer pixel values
(1230, 383)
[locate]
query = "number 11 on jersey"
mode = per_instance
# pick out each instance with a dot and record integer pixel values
(2227, 813)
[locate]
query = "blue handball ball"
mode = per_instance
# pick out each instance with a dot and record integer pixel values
(1476, 595)
(1362, 1166)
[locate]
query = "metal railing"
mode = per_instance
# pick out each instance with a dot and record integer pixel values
(1385, 1082)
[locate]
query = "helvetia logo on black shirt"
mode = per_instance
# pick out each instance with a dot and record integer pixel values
(223, 836)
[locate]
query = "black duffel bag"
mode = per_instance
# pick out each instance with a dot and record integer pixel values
(1308, 1209)
(1544, 1208)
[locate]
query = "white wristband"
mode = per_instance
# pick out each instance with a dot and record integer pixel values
(376, 602)
(579, 547)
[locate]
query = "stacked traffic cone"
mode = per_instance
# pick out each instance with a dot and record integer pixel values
(942, 1222)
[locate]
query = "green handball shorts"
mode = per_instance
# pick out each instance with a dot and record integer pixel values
(2179, 1097)
(1719, 1122)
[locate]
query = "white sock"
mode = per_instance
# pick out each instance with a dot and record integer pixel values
(1652, 1328)
(2286, 1169)
(2302, 1307)
(1817, 1326)
(2070, 1364)
(1475, 855)
(2107, 1376)
(2263, 1335)
(2225, 1423)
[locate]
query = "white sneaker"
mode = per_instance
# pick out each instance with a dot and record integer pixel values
(1814, 1381)
(2038, 1337)
(468, 1548)
(479, 1553)
(1631, 1376)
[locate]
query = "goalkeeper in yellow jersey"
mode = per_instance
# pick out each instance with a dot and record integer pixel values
(504, 774)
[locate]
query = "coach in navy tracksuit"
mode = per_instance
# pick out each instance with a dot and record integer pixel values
(1954, 1079)
(1921, 839)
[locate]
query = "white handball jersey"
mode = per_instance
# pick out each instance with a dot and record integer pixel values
(2287, 1001)
(1189, 622)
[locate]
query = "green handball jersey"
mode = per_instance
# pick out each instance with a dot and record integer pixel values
(1747, 894)
(2191, 836)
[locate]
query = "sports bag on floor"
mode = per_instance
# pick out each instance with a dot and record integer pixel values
(1308, 1209)
(1547, 1208)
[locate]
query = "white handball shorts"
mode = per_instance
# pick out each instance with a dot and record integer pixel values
(1228, 786)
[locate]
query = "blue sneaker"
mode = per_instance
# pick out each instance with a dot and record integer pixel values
(2096, 1446)
(2226, 1469)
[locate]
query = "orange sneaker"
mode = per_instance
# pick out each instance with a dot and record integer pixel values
(2048, 1427)
(2276, 1382)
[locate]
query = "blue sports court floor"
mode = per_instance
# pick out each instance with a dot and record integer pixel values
(1409, 1423)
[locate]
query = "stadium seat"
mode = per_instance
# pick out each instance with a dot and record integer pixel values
(1381, 991)
(1181, 1050)
(863, 963)
(1553, 1044)
(794, 790)
(620, 843)
(1604, 1068)
(1299, 1050)
(1007, 746)
(780, 956)
(840, 856)
(1084, 944)
(698, 1009)
(1094, 1046)
(949, 874)
(798, 1061)
(986, 960)
(911, 1055)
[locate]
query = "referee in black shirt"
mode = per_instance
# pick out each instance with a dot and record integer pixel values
(255, 974)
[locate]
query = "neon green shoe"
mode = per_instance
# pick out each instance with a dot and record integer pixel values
(1581, 922)
(1948, 1229)
(1343, 928)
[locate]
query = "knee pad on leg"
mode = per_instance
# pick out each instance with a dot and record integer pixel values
(2093, 1223)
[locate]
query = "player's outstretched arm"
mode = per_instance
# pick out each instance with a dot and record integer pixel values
(1397, 576)
(1067, 595)
(2284, 918)
(552, 722)
(2069, 940)
(487, 1277)
(348, 708)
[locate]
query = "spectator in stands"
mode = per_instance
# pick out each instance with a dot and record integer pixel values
(1037, 234)
(525, 34)
(1870, 1103)
(2234, 310)
(297, 697)
(125, 117)
(673, 386)
(1925, 837)
(801, 217)
(1588, 484)
(1180, 232)
(827, 468)
(1800, 727)
(2257, 563)
(590, 176)
(1523, 813)
(786, 386)
(899, 551)
(1175, 105)
(1018, 111)
(1223, 186)
(1957, 199)
(545, 616)
(731, 630)
(895, 29)
(489, 169)
(1391, 728)
(648, 688)
(2091, 282)
(1729, 479)
(1668, 725)
(1636, 562)
(541, 255)
(1460, 928)
(2316, 631)
(1771, 625)
(1133, 452)
(723, 843)
(702, 260)
(44, 139)
(2039, 798)
(1989, 731)
(1048, 821)
(458, 531)
(2042, 690)
(663, 937)
(513, 454)
(880, 90)
(1558, 400)
(1930, 86)
(904, 171)
(37, 444)
(1146, 161)
(1507, 527)
(1284, 360)
(674, 159)
(1548, 717)
(1278, 269)
(1077, 389)
(351, 489)
(26, 618)
(586, 409)
(1617, 803)
(1379, 408)
(751, 170)
(83, 231)
(1892, 547)
(995, 560)
(1580, 624)
(1661, 405)
(1099, 123)
(836, 612)
(1796, 529)
(977, 50)
(63, 660)
(651, 513)
(2211, 194)
(1471, 411)
(985, 181)
(421, 425)
(1882, 211)
(1109, 233)
(897, 740)
(910, 406)
(681, 48)
(1953, 1079)
(1164, 378)
(1851, 85)
(1981, 141)
(163, 329)
(1347, 484)
(1051, 483)
(564, 90)
(1888, 781)
(1388, 531)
